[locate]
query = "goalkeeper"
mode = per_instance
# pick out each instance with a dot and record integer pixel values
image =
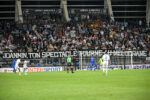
(69, 64)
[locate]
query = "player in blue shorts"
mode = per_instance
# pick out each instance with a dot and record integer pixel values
(13, 66)
(92, 64)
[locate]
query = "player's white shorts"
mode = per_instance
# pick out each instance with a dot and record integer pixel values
(16, 67)
(24, 68)
(105, 64)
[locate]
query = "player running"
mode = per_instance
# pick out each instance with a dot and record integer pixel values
(17, 66)
(25, 67)
(92, 64)
(106, 59)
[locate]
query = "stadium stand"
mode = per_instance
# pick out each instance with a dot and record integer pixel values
(44, 29)
(41, 33)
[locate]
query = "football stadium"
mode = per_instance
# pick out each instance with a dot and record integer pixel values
(74, 49)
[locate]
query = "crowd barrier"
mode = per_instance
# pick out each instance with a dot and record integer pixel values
(47, 69)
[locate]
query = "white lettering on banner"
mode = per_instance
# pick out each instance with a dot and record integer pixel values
(34, 55)
(139, 53)
(56, 54)
(127, 53)
(115, 53)
(45, 54)
(63, 54)
(91, 53)
(100, 52)
(87, 53)
(147, 58)
(60, 54)
(73, 53)
(15, 55)
(68, 53)
(135, 53)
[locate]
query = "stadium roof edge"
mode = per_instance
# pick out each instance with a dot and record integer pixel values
(53, 0)
(73, 0)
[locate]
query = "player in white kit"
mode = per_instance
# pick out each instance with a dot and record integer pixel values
(17, 66)
(25, 67)
(106, 59)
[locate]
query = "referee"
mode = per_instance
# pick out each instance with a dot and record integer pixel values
(69, 64)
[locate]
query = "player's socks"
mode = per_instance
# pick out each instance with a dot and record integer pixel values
(103, 69)
(19, 73)
(25, 73)
(67, 70)
(106, 71)
(94, 69)
(90, 69)
(72, 70)
(14, 71)
(24, 70)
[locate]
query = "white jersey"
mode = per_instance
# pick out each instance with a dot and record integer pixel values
(17, 63)
(25, 64)
(106, 58)
(105, 66)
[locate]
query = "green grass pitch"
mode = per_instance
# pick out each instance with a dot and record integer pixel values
(82, 85)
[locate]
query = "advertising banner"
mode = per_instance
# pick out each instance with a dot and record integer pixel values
(140, 66)
(47, 69)
(33, 69)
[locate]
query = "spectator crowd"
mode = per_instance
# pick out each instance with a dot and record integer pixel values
(48, 32)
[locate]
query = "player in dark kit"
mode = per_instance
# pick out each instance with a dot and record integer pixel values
(69, 64)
